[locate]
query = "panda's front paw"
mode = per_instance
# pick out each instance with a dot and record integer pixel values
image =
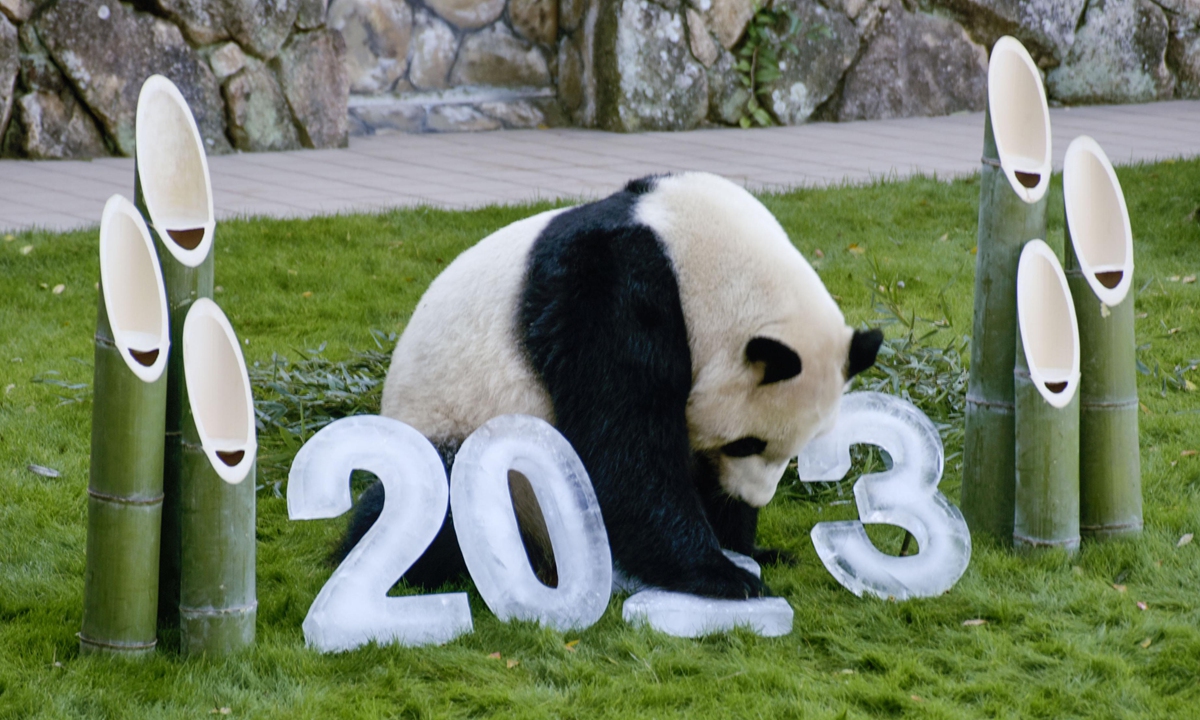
(724, 580)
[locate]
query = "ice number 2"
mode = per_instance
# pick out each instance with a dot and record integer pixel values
(354, 608)
(905, 495)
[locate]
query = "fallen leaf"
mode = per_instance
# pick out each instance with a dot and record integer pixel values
(1146, 643)
(846, 671)
(855, 249)
(43, 471)
(974, 622)
(1142, 316)
(1174, 330)
(975, 250)
(1173, 278)
(9, 388)
(220, 711)
(1189, 279)
(292, 272)
(1144, 408)
(1174, 463)
(1142, 606)
(571, 645)
(306, 293)
(44, 286)
(1188, 385)
(944, 237)
(1188, 453)
(27, 249)
(818, 253)
(495, 656)
(512, 664)
(917, 698)
(9, 238)
(1187, 538)
(218, 289)
(58, 289)
(1119, 588)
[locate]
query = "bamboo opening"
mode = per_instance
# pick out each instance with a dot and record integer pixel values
(219, 390)
(173, 170)
(1020, 119)
(1098, 220)
(1046, 315)
(134, 296)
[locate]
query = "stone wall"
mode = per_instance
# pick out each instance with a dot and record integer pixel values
(258, 74)
(280, 74)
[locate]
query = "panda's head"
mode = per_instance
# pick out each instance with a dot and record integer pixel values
(771, 351)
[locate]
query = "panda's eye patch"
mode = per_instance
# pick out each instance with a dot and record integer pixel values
(744, 447)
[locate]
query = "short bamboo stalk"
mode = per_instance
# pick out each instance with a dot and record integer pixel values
(1012, 210)
(1046, 377)
(128, 415)
(173, 191)
(1099, 268)
(217, 604)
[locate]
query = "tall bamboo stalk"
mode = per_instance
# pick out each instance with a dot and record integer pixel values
(1046, 377)
(217, 602)
(1099, 267)
(173, 190)
(129, 403)
(1012, 210)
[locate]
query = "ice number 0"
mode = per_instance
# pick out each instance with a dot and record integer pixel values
(486, 525)
(905, 495)
(354, 608)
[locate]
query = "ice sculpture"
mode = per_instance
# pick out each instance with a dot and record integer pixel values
(905, 495)
(683, 615)
(486, 524)
(353, 608)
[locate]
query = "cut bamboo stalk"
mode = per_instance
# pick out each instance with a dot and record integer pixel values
(129, 403)
(1099, 267)
(1046, 379)
(217, 605)
(174, 193)
(1012, 210)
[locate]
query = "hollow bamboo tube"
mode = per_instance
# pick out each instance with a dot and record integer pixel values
(129, 402)
(1099, 267)
(217, 604)
(1012, 210)
(1046, 379)
(173, 190)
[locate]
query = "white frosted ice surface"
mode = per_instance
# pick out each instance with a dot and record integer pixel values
(486, 524)
(684, 615)
(905, 495)
(353, 608)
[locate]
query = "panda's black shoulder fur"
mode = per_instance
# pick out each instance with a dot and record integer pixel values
(602, 323)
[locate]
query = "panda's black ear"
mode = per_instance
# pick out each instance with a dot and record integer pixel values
(864, 346)
(780, 362)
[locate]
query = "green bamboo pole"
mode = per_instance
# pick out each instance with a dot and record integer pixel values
(1012, 210)
(1099, 267)
(173, 190)
(217, 603)
(128, 412)
(1046, 379)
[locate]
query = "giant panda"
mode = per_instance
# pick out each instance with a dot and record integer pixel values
(672, 333)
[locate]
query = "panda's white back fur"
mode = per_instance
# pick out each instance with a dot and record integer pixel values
(460, 362)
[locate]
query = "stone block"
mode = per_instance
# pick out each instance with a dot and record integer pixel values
(433, 49)
(1119, 56)
(227, 60)
(535, 20)
(495, 57)
(467, 14)
(54, 126)
(311, 14)
(312, 73)
(915, 65)
(1045, 27)
(728, 19)
(646, 77)
(10, 65)
(377, 35)
(828, 43)
(107, 50)
(259, 117)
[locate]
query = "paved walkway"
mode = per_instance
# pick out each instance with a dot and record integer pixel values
(472, 169)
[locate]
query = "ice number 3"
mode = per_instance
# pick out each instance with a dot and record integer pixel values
(353, 608)
(905, 495)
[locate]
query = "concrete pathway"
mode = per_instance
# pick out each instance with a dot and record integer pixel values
(472, 169)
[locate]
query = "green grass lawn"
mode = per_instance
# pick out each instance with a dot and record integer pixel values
(1060, 641)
